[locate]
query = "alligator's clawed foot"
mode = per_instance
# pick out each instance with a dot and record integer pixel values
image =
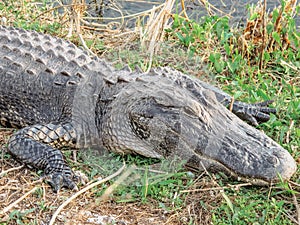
(254, 113)
(59, 180)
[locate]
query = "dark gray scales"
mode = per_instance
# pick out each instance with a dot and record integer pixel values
(59, 96)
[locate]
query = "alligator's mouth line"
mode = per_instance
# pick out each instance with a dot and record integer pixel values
(222, 168)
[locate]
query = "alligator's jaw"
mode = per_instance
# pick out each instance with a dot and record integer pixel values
(166, 121)
(285, 169)
(228, 144)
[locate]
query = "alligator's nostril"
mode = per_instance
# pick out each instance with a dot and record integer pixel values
(274, 161)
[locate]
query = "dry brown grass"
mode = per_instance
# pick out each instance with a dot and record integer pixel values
(22, 190)
(255, 39)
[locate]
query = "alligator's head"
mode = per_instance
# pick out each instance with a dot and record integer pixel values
(158, 119)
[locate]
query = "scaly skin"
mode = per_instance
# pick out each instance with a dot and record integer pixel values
(59, 96)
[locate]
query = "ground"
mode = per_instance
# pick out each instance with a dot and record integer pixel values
(38, 206)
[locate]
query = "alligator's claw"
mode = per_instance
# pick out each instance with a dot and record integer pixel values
(253, 113)
(59, 180)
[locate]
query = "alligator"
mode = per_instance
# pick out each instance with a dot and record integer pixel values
(58, 96)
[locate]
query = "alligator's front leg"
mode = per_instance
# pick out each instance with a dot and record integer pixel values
(37, 146)
(252, 113)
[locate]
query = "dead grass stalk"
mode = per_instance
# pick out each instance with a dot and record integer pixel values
(154, 31)
(52, 221)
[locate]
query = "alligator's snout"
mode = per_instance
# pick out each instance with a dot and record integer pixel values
(251, 161)
(230, 145)
(285, 165)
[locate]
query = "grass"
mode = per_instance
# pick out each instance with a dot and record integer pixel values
(248, 63)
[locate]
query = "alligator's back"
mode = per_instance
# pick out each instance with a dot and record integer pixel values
(39, 75)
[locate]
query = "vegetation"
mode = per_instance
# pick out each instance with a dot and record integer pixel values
(258, 62)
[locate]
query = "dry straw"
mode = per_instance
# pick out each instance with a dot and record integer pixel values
(256, 36)
(154, 30)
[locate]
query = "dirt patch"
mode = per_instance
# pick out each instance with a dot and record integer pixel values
(24, 198)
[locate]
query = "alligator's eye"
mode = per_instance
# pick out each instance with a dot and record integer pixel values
(139, 125)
